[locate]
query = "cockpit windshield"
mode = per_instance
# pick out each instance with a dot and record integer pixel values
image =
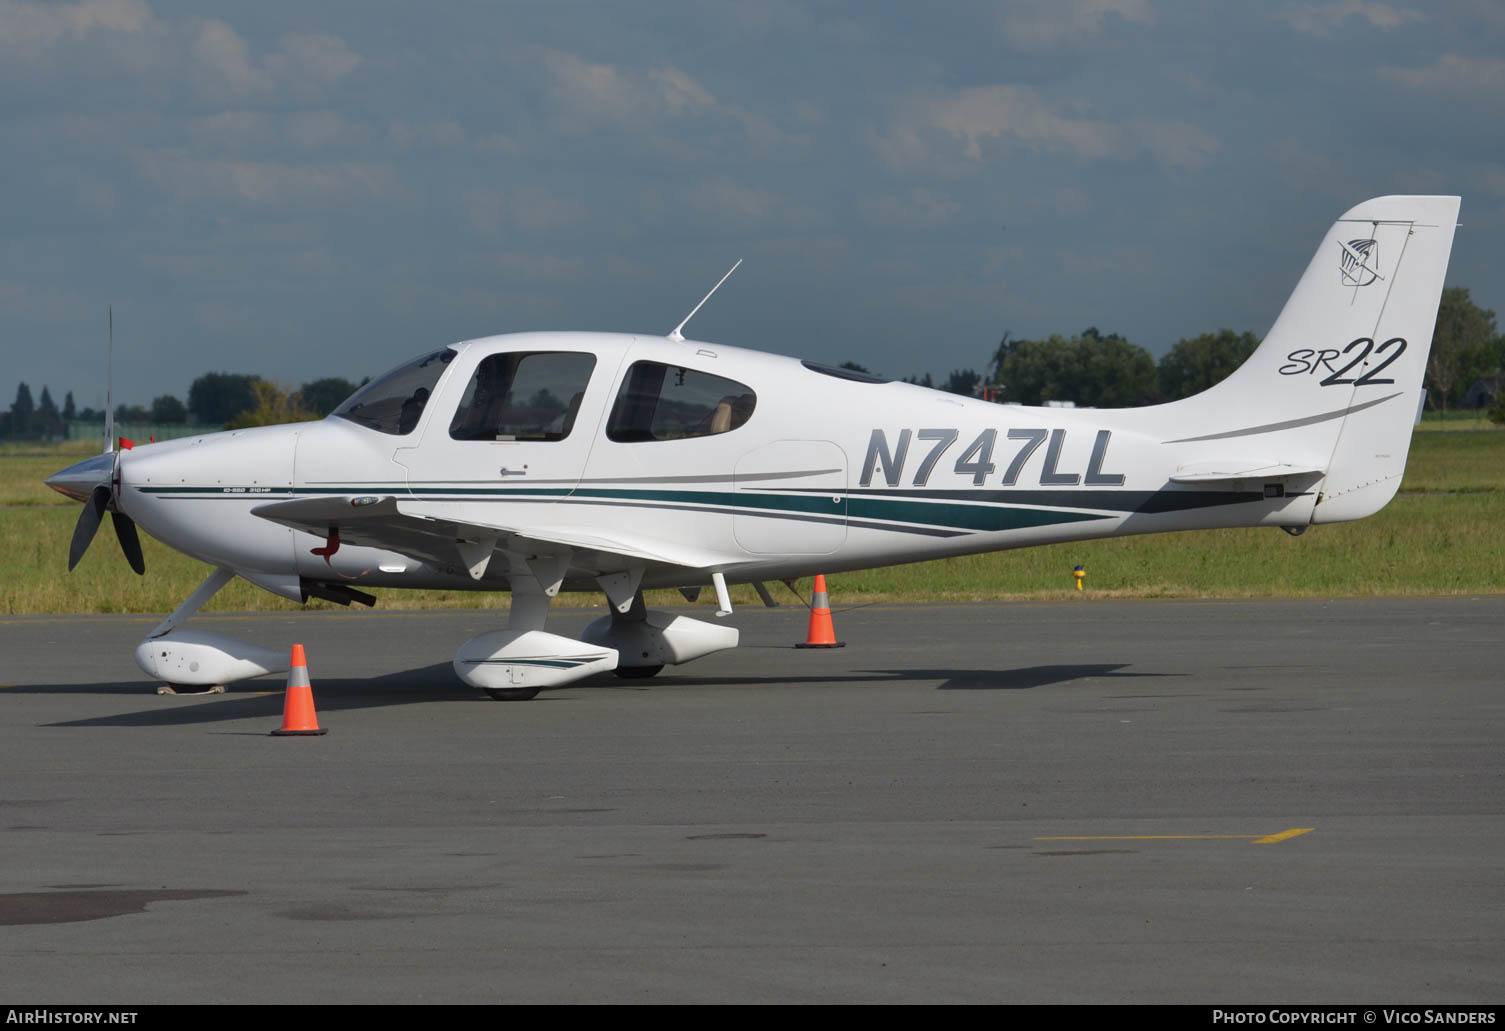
(393, 403)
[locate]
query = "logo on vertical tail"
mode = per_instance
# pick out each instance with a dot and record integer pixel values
(1359, 262)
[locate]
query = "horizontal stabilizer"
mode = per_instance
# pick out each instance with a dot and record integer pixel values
(1226, 470)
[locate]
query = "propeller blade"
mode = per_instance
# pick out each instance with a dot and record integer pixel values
(88, 524)
(130, 541)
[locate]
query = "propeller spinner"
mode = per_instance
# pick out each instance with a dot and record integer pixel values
(91, 481)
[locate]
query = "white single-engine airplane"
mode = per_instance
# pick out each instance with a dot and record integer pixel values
(541, 462)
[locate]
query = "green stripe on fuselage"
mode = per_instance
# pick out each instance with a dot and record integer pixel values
(984, 517)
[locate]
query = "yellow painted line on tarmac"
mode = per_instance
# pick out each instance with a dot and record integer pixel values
(1147, 837)
(1274, 839)
(1253, 839)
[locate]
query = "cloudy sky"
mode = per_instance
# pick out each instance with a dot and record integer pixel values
(301, 190)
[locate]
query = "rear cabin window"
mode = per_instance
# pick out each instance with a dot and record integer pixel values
(669, 402)
(393, 403)
(530, 395)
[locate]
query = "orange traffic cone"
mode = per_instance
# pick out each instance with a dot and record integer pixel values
(298, 716)
(822, 633)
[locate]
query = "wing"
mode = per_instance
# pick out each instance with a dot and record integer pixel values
(452, 533)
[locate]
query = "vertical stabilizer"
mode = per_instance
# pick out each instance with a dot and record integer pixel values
(1335, 383)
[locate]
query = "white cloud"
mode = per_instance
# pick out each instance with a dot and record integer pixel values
(314, 263)
(1072, 202)
(319, 59)
(26, 298)
(533, 209)
(244, 132)
(1044, 24)
(483, 209)
(1308, 169)
(189, 180)
(324, 130)
(681, 94)
(721, 200)
(980, 115)
(1325, 19)
(88, 192)
(1453, 73)
(441, 135)
(1491, 179)
(920, 208)
(588, 96)
(123, 41)
(986, 120)
(528, 267)
(301, 66)
(538, 209)
(45, 23)
(222, 59)
(1176, 145)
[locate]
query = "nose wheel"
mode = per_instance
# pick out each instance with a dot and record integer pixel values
(637, 672)
(511, 694)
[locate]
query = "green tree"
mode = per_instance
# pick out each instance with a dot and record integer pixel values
(70, 411)
(217, 397)
(1005, 348)
(1464, 347)
(275, 405)
(963, 381)
(22, 411)
(49, 421)
(1196, 363)
(323, 396)
(1091, 369)
(168, 410)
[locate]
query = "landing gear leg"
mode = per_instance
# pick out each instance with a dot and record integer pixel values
(634, 616)
(529, 611)
(192, 661)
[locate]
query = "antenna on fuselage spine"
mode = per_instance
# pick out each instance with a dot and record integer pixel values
(110, 384)
(674, 334)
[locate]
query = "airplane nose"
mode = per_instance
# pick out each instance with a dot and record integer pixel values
(79, 479)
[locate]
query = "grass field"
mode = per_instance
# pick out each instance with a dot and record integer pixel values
(1441, 535)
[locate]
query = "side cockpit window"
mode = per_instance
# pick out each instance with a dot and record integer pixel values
(669, 402)
(393, 403)
(528, 395)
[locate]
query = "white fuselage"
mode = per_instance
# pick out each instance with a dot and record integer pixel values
(826, 474)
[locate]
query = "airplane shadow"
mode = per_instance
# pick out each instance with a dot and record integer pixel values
(434, 683)
(952, 679)
(1031, 676)
(252, 699)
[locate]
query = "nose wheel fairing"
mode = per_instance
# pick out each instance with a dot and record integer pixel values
(194, 658)
(197, 659)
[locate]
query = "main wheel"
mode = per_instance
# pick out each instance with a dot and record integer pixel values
(511, 694)
(637, 672)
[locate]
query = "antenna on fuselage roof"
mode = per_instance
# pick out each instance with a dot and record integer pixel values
(674, 334)
(110, 383)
